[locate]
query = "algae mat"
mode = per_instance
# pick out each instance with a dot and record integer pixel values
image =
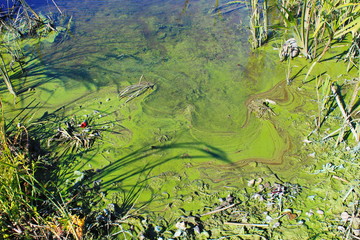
(199, 121)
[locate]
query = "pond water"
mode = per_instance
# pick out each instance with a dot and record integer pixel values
(199, 123)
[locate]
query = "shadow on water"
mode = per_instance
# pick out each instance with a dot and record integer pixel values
(36, 73)
(204, 150)
(135, 179)
(117, 176)
(64, 62)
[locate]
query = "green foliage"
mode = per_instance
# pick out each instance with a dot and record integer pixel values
(315, 25)
(63, 203)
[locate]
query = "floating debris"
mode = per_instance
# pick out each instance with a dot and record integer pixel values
(84, 124)
(289, 49)
(136, 90)
(228, 7)
(74, 138)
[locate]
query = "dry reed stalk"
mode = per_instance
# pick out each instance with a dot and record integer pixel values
(218, 210)
(248, 224)
(5, 76)
(346, 116)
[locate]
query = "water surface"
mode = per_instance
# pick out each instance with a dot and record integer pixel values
(196, 123)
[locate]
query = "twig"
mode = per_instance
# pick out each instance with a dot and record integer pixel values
(352, 235)
(347, 117)
(247, 224)
(341, 179)
(354, 97)
(348, 193)
(218, 210)
(331, 134)
(57, 7)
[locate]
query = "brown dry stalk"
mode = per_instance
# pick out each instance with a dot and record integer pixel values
(339, 178)
(218, 210)
(346, 116)
(247, 224)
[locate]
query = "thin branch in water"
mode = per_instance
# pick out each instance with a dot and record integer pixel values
(247, 224)
(346, 116)
(218, 210)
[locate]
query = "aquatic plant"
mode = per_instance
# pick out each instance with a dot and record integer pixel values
(353, 53)
(320, 22)
(5, 76)
(136, 90)
(329, 97)
(352, 124)
(17, 22)
(63, 203)
(300, 30)
(258, 23)
(74, 137)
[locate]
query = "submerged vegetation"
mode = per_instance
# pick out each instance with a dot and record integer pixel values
(67, 203)
(18, 22)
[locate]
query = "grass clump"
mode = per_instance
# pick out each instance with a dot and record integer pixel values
(42, 196)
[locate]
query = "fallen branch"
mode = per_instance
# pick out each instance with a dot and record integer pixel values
(247, 224)
(218, 210)
(347, 117)
(339, 178)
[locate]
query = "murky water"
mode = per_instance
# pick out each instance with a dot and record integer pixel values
(196, 122)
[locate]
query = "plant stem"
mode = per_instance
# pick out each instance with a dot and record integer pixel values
(6, 77)
(346, 117)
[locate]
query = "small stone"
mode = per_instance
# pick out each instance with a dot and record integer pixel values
(321, 212)
(309, 214)
(251, 182)
(292, 216)
(158, 228)
(312, 155)
(258, 181)
(312, 197)
(341, 228)
(268, 218)
(267, 185)
(356, 232)
(181, 225)
(257, 196)
(275, 225)
(178, 233)
(288, 210)
(229, 198)
(196, 229)
(345, 216)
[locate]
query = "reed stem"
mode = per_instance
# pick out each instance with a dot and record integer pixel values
(5, 76)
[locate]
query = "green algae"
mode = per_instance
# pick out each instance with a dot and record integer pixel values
(203, 79)
(193, 134)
